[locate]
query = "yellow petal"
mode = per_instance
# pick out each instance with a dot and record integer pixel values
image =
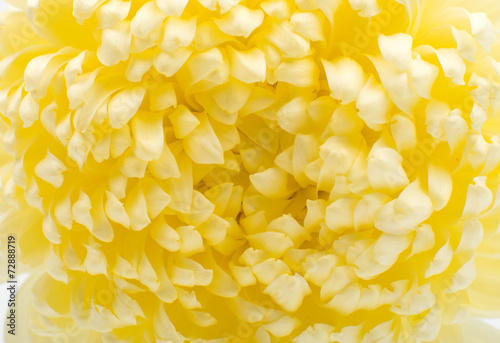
(115, 210)
(345, 77)
(385, 171)
(124, 105)
(300, 73)
(248, 66)
(453, 65)
(240, 21)
(202, 145)
(440, 186)
(277, 8)
(274, 243)
(404, 133)
(288, 291)
(147, 129)
(366, 8)
(168, 63)
(115, 44)
(396, 49)
(172, 7)
(340, 214)
(412, 207)
(269, 270)
(50, 170)
(455, 128)
(424, 239)
(293, 118)
(291, 44)
(479, 198)
(162, 97)
(95, 261)
(147, 18)
(441, 261)
(308, 24)
(81, 211)
(156, 198)
(191, 240)
(110, 13)
(165, 235)
(423, 75)
(29, 110)
(136, 208)
(177, 33)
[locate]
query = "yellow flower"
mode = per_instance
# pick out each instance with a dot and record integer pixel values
(299, 171)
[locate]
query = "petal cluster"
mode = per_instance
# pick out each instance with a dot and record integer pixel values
(299, 171)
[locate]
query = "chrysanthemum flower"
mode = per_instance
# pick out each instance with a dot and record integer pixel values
(302, 171)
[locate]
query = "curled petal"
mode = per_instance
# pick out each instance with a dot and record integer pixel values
(115, 44)
(147, 18)
(240, 21)
(422, 76)
(124, 105)
(291, 44)
(410, 209)
(385, 171)
(345, 77)
(453, 65)
(388, 247)
(479, 198)
(396, 49)
(308, 24)
(115, 210)
(373, 104)
(288, 291)
(424, 239)
(136, 208)
(147, 129)
(50, 169)
(300, 73)
(177, 33)
(248, 66)
(202, 145)
(441, 261)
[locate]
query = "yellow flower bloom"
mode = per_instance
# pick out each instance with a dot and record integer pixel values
(299, 171)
